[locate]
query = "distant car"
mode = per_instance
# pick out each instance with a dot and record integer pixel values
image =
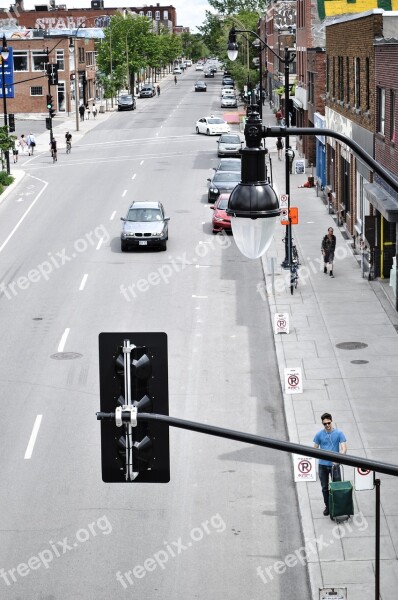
(212, 126)
(144, 225)
(177, 71)
(227, 92)
(199, 67)
(221, 221)
(209, 73)
(200, 86)
(214, 69)
(126, 102)
(222, 182)
(228, 81)
(188, 63)
(229, 144)
(229, 102)
(147, 91)
(229, 164)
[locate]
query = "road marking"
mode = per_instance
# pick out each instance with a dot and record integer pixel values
(157, 133)
(134, 176)
(62, 343)
(193, 296)
(25, 213)
(99, 243)
(124, 193)
(113, 215)
(83, 283)
(33, 436)
(202, 266)
(142, 162)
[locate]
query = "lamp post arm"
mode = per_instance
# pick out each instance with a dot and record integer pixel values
(283, 60)
(363, 155)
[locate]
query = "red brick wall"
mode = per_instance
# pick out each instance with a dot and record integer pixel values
(386, 150)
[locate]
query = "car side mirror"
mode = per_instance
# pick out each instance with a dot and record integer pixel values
(167, 218)
(122, 218)
(208, 179)
(212, 207)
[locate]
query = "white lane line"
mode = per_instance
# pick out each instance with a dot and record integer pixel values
(157, 133)
(99, 243)
(83, 283)
(62, 343)
(194, 296)
(25, 213)
(124, 193)
(113, 215)
(33, 436)
(142, 162)
(134, 176)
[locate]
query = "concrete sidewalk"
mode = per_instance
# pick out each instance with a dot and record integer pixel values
(358, 386)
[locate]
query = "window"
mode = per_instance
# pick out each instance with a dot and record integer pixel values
(367, 68)
(149, 14)
(90, 59)
(392, 116)
(36, 90)
(20, 60)
(357, 82)
(341, 78)
(165, 15)
(141, 13)
(81, 55)
(39, 60)
(347, 64)
(157, 15)
(381, 109)
(60, 60)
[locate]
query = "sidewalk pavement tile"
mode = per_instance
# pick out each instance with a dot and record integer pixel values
(377, 388)
(363, 548)
(345, 572)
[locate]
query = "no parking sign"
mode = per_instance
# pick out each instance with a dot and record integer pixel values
(293, 381)
(304, 468)
(363, 479)
(281, 322)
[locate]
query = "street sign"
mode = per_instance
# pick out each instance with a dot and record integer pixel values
(304, 468)
(8, 75)
(281, 322)
(293, 214)
(283, 200)
(363, 479)
(293, 381)
(333, 594)
(284, 216)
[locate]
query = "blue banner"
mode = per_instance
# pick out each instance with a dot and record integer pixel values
(8, 75)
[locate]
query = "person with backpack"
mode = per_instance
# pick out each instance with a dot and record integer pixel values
(94, 110)
(30, 140)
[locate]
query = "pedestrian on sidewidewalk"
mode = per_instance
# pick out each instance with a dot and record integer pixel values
(290, 156)
(87, 112)
(30, 140)
(335, 441)
(175, 79)
(328, 247)
(15, 150)
(158, 89)
(279, 117)
(94, 109)
(23, 145)
(81, 112)
(279, 147)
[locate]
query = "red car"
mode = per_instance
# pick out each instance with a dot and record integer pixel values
(221, 221)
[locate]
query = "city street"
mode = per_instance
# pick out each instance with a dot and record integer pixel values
(230, 510)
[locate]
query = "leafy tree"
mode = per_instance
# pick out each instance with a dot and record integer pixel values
(230, 7)
(7, 142)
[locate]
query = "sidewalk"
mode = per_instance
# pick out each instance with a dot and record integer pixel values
(358, 386)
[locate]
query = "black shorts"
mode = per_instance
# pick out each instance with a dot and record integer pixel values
(328, 258)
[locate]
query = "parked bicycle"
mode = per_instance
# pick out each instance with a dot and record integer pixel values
(294, 277)
(295, 256)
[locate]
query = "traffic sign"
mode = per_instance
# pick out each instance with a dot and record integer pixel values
(304, 468)
(363, 479)
(293, 381)
(281, 322)
(284, 216)
(283, 200)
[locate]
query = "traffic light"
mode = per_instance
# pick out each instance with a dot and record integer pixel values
(11, 122)
(51, 110)
(133, 373)
(48, 123)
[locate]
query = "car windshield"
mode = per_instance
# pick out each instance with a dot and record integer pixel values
(223, 204)
(230, 166)
(229, 139)
(200, 83)
(215, 121)
(224, 176)
(140, 215)
(125, 98)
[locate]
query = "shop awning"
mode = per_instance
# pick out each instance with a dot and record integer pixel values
(383, 201)
(297, 103)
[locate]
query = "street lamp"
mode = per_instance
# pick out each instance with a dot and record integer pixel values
(4, 57)
(232, 51)
(253, 204)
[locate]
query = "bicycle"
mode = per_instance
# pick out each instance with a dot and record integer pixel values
(294, 276)
(295, 256)
(68, 147)
(54, 155)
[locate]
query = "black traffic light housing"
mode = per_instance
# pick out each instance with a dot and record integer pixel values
(134, 374)
(11, 122)
(50, 106)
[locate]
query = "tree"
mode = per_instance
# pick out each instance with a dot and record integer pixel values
(7, 143)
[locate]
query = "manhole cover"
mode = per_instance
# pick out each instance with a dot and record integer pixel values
(359, 362)
(66, 355)
(351, 345)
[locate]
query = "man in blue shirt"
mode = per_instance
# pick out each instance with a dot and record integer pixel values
(335, 441)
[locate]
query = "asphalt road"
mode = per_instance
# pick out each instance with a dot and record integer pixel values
(229, 509)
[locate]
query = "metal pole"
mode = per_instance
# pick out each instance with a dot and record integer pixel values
(377, 541)
(7, 152)
(288, 235)
(261, 83)
(76, 84)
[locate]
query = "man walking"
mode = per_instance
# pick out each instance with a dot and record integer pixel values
(81, 112)
(335, 441)
(328, 247)
(290, 156)
(30, 140)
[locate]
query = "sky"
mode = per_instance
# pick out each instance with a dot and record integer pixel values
(190, 13)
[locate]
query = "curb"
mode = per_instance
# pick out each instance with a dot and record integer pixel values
(18, 176)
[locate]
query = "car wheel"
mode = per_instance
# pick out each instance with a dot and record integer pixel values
(163, 247)
(208, 132)
(123, 246)
(197, 130)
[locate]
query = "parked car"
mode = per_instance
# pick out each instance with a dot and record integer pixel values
(229, 164)
(222, 182)
(199, 67)
(200, 86)
(227, 92)
(188, 63)
(212, 126)
(228, 81)
(221, 221)
(229, 102)
(126, 102)
(147, 91)
(145, 225)
(177, 71)
(229, 144)
(209, 73)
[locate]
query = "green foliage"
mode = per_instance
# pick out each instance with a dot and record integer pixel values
(230, 7)
(1, 189)
(5, 179)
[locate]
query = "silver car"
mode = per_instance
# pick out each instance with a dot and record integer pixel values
(229, 144)
(145, 225)
(229, 102)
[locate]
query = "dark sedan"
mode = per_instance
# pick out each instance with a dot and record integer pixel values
(126, 102)
(209, 73)
(200, 86)
(229, 164)
(223, 182)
